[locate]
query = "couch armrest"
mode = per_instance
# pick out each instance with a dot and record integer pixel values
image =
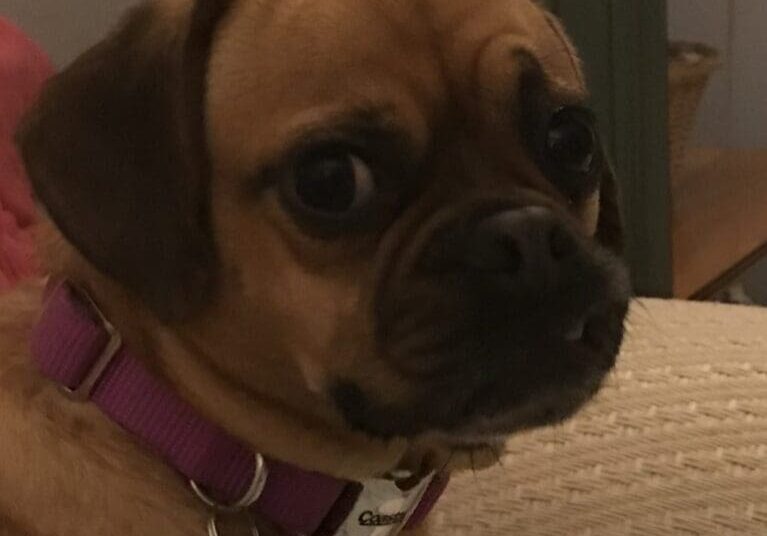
(675, 444)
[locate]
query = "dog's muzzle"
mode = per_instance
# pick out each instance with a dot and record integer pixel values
(505, 318)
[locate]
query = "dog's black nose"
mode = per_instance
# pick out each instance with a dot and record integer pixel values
(527, 244)
(529, 268)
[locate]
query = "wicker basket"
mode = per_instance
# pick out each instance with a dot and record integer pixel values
(690, 68)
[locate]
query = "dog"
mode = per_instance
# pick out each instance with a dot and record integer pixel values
(368, 239)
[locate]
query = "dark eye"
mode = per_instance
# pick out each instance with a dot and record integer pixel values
(571, 144)
(332, 184)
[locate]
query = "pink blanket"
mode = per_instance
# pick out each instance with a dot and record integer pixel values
(23, 71)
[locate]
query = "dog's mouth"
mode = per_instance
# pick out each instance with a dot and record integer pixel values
(491, 349)
(492, 395)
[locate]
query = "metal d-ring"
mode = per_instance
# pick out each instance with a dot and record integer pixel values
(213, 528)
(254, 492)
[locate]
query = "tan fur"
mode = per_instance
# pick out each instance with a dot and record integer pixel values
(256, 360)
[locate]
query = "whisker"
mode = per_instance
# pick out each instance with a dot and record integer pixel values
(648, 316)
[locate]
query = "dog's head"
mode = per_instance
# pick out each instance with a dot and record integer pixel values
(395, 216)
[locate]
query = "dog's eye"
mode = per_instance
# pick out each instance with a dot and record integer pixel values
(333, 184)
(570, 152)
(571, 143)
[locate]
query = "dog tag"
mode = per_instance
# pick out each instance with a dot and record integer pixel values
(383, 509)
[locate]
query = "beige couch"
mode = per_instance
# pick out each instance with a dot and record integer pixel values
(675, 444)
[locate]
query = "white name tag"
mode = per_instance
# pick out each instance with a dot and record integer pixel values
(383, 509)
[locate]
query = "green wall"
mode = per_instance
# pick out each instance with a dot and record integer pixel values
(623, 46)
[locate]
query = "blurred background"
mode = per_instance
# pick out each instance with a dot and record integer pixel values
(681, 89)
(730, 124)
(65, 28)
(679, 86)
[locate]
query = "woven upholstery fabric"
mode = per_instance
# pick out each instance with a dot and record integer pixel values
(675, 444)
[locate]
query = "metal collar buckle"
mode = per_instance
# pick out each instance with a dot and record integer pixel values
(84, 391)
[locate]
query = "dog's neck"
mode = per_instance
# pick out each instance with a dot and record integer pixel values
(272, 426)
(268, 424)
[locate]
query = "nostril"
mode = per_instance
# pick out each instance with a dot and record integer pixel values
(529, 242)
(494, 252)
(511, 254)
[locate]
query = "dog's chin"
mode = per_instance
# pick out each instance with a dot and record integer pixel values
(543, 409)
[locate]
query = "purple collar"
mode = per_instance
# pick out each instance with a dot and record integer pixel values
(75, 346)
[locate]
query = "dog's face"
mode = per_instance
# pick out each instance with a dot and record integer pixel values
(395, 216)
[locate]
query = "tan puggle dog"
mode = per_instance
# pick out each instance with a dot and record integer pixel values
(361, 235)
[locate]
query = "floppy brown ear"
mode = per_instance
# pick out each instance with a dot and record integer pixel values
(116, 153)
(610, 223)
